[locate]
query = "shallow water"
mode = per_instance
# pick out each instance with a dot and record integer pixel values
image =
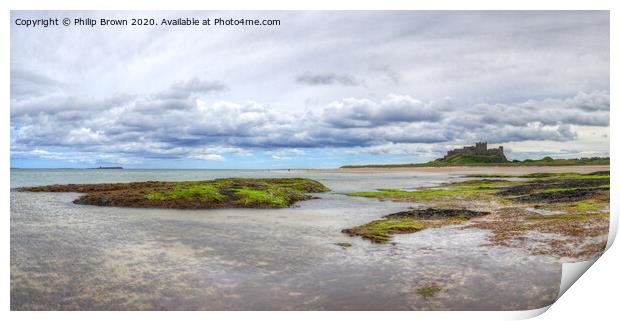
(67, 256)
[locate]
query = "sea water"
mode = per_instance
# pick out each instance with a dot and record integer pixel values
(75, 257)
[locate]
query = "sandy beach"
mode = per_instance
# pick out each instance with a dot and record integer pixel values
(511, 170)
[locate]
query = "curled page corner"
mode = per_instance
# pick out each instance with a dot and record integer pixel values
(613, 227)
(528, 314)
(571, 272)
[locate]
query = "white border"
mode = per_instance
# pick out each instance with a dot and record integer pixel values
(593, 296)
(312, 5)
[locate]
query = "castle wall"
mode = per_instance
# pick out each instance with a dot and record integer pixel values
(478, 149)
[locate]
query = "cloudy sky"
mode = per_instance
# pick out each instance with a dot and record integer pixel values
(322, 89)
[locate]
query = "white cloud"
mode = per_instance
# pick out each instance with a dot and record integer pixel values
(209, 157)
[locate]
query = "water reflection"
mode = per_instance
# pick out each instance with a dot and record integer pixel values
(66, 256)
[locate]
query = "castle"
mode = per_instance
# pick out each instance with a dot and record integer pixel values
(477, 150)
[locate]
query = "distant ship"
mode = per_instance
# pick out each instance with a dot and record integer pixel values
(108, 167)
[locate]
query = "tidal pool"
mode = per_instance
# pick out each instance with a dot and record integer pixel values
(75, 257)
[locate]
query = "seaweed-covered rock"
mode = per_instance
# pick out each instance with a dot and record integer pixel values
(411, 221)
(219, 193)
(436, 213)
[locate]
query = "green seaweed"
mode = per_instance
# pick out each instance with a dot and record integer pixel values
(380, 231)
(554, 190)
(247, 192)
(269, 196)
(429, 291)
(489, 176)
(573, 216)
(523, 227)
(483, 183)
(423, 194)
(566, 175)
(545, 175)
(207, 191)
(344, 244)
(586, 207)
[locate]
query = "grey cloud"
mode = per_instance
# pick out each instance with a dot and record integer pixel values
(509, 133)
(389, 73)
(589, 109)
(598, 100)
(315, 79)
(184, 89)
(157, 106)
(63, 105)
(351, 112)
(26, 83)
